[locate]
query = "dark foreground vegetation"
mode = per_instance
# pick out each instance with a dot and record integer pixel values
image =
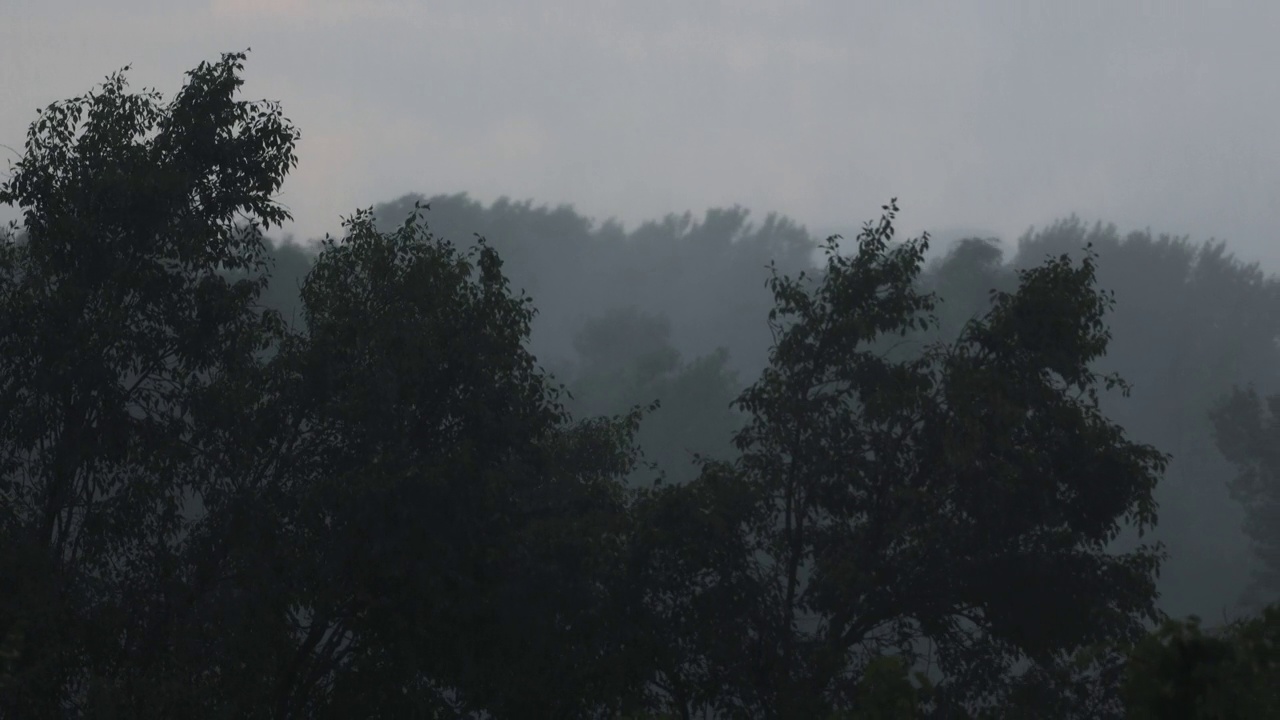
(383, 506)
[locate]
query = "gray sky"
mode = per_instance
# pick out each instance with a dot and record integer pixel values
(990, 115)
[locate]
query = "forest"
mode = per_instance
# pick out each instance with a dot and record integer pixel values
(504, 461)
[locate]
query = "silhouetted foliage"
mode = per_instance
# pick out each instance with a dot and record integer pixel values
(119, 344)
(1189, 323)
(1181, 672)
(460, 523)
(210, 515)
(960, 499)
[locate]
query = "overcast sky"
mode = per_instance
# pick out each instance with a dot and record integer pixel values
(990, 116)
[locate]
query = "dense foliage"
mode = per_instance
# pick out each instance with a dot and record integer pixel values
(1180, 671)
(1189, 323)
(381, 505)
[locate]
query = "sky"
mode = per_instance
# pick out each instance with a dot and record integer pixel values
(984, 117)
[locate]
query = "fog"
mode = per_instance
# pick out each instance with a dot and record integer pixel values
(680, 303)
(977, 115)
(638, 165)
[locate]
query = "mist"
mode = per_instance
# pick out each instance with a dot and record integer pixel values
(686, 294)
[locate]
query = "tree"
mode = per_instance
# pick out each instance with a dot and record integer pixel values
(963, 280)
(461, 524)
(1190, 322)
(961, 498)
(705, 274)
(690, 584)
(114, 323)
(626, 360)
(386, 513)
(1180, 671)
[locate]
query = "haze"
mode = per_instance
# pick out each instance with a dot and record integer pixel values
(980, 116)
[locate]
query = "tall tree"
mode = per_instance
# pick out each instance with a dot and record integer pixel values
(114, 323)
(460, 528)
(1190, 322)
(960, 499)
